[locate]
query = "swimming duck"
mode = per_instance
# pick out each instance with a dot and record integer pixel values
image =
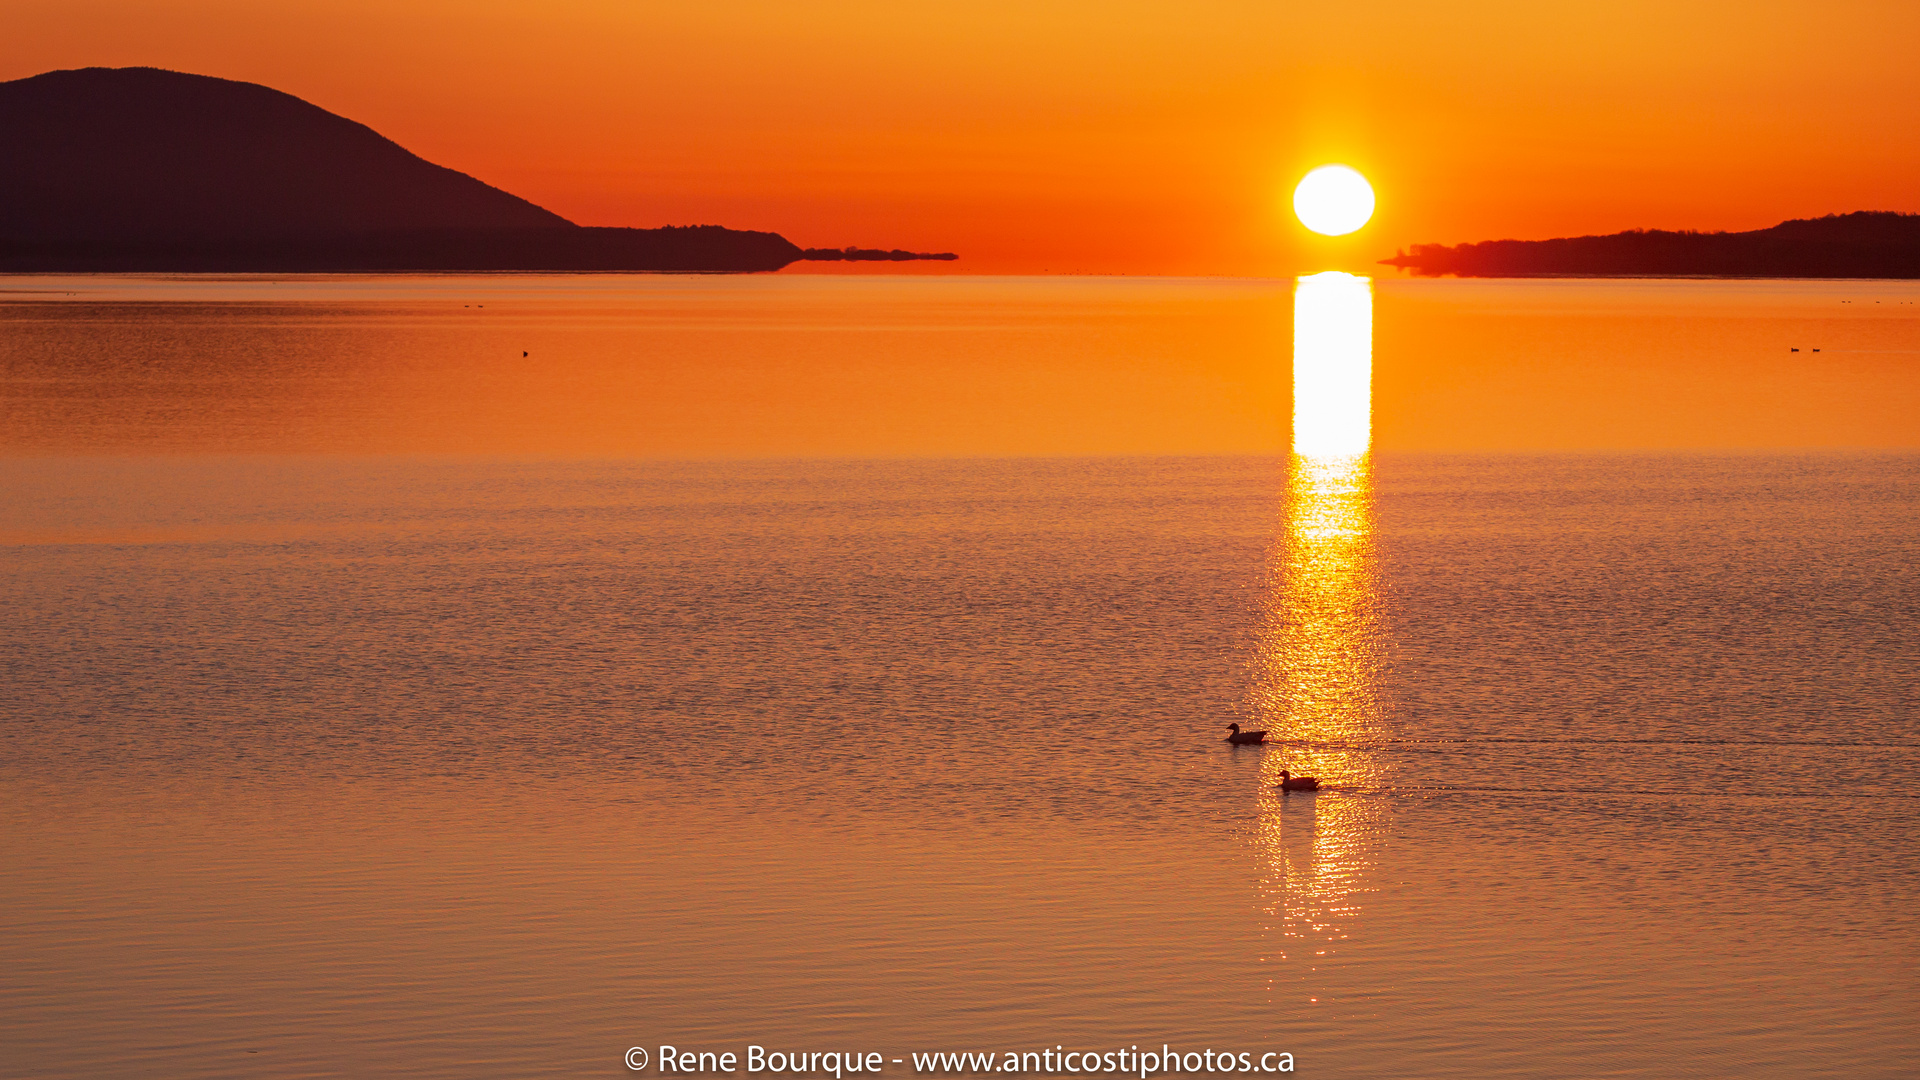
(1290, 782)
(1245, 738)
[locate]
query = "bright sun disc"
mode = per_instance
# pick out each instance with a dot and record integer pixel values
(1333, 200)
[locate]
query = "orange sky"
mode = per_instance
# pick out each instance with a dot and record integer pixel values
(1119, 136)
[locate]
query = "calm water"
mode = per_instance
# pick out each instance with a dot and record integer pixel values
(358, 724)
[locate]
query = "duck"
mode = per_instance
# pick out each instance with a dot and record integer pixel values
(1245, 738)
(1290, 782)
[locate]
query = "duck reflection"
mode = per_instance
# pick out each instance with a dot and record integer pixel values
(1321, 651)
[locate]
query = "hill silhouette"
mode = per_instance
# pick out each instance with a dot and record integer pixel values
(140, 169)
(1865, 244)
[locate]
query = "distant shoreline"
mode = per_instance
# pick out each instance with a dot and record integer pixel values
(1861, 245)
(140, 170)
(570, 249)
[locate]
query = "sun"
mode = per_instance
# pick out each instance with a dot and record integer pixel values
(1333, 200)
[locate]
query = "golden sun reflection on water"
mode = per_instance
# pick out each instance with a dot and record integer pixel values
(1320, 657)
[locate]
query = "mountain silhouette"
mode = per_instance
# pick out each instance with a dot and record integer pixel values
(140, 169)
(1864, 244)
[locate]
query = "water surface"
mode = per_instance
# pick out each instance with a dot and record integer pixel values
(494, 759)
(705, 367)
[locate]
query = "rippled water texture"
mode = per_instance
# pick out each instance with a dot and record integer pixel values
(491, 759)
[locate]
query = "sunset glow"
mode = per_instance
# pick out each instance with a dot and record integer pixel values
(1320, 655)
(1321, 663)
(1332, 365)
(1065, 136)
(1333, 200)
(611, 537)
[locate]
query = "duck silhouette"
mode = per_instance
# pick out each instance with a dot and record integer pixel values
(1290, 782)
(1245, 738)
